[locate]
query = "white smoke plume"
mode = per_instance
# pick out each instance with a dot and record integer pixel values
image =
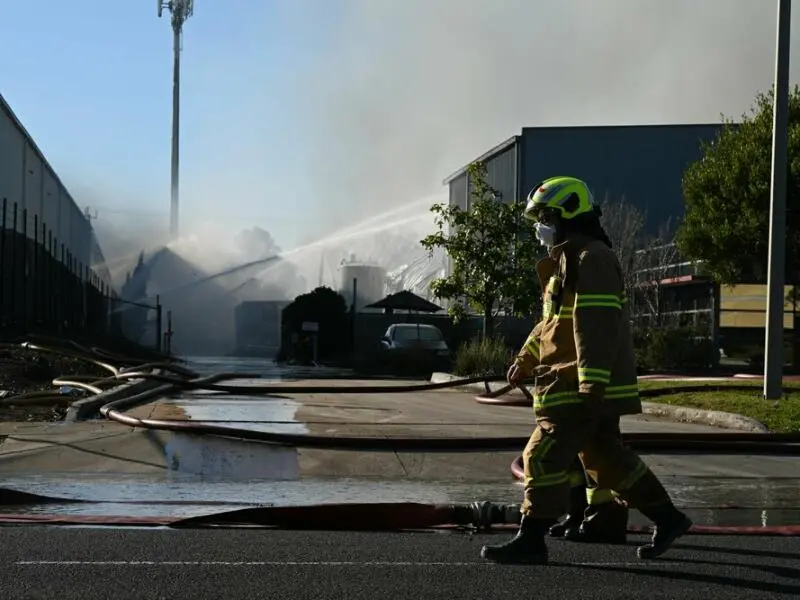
(405, 92)
(408, 91)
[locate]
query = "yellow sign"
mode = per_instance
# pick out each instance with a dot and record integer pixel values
(746, 306)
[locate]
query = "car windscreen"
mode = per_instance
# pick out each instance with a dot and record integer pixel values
(414, 333)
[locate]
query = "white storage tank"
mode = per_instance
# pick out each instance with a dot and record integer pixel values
(371, 282)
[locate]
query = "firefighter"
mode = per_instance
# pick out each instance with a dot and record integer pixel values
(585, 379)
(593, 515)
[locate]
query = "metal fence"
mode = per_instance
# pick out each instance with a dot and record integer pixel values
(43, 287)
(47, 246)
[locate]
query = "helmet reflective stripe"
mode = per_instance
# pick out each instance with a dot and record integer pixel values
(546, 193)
(566, 196)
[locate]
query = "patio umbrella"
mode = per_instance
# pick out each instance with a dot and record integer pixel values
(405, 300)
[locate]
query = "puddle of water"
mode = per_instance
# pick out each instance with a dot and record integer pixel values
(747, 517)
(104, 490)
(215, 457)
(261, 414)
(268, 369)
(745, 493)
(757, 502)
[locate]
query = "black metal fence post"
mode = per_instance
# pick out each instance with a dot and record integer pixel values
(3, 264)
(13, 309)
(25, 272)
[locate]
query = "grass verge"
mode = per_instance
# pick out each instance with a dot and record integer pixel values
(780, 417)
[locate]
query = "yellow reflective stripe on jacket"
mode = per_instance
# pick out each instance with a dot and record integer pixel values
(594, 375)
(556, 399)
(565, 312)
(614, 392)
(622, 392)
(597, 301)
(532, 346)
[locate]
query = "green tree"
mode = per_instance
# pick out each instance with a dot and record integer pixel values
(492, 250)
(727, 194)
(328, 309)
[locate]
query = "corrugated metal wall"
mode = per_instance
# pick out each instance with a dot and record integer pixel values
(501, 170)
(46, 247)
(458, 192)
(27, 180)
(643, 163)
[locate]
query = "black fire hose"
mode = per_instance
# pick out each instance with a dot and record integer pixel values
(719, 443)
(389, 516)
(681, 443)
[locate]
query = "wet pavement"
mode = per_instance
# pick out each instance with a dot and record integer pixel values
(186, 475)
(242, 412)
(95, 564)
(721, 501)
(267, 369)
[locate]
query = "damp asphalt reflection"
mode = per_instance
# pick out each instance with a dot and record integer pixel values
(202, 478)
(730, 502)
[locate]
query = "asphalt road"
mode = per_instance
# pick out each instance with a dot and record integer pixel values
(93, 563)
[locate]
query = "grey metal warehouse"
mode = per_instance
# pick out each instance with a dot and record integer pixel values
(52, 272)
(27, 179)
(645, 163)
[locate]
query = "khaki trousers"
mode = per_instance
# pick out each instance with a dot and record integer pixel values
(548, 463)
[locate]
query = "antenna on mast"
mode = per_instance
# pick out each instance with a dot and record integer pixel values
(88, 214)
(180, 10)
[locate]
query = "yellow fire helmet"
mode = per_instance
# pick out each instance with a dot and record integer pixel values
(566, 197)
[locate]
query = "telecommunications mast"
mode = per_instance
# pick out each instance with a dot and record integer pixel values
(180, 11)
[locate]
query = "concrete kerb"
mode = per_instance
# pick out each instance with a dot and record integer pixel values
(88, 408)
(679, 414)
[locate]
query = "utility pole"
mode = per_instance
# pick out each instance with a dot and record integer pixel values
(180, 10)
(87, 212)
(773, 351)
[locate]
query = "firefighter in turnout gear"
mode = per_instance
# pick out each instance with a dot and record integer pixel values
(593, 514)
(581, 354)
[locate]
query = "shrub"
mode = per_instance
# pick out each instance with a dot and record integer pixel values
(673, 347)
(483, 357)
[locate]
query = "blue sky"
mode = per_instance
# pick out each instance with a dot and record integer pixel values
(301, 116)
(92, 83)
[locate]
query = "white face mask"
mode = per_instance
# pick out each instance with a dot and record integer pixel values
(546, 235)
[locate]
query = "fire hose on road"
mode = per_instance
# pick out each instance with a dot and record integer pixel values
(370, 516)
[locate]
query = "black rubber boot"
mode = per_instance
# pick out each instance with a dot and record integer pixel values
(670, 524)
(570, 526)
(605, 523)
(527, 547)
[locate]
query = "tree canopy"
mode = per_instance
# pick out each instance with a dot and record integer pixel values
(727, 194)
(328, 309)
(492, 250)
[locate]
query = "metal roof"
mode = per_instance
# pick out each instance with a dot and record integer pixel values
(484, 157)
(514, 139)
(6, 108)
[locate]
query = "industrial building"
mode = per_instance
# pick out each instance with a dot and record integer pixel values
(643, 163)
(52, 271)
(42, 201)
(258, 327)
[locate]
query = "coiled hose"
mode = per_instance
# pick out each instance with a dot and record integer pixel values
(480, 514)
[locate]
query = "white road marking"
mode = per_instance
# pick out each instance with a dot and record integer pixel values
(219, 563)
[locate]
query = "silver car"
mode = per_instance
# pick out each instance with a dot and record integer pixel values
(415, 337)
